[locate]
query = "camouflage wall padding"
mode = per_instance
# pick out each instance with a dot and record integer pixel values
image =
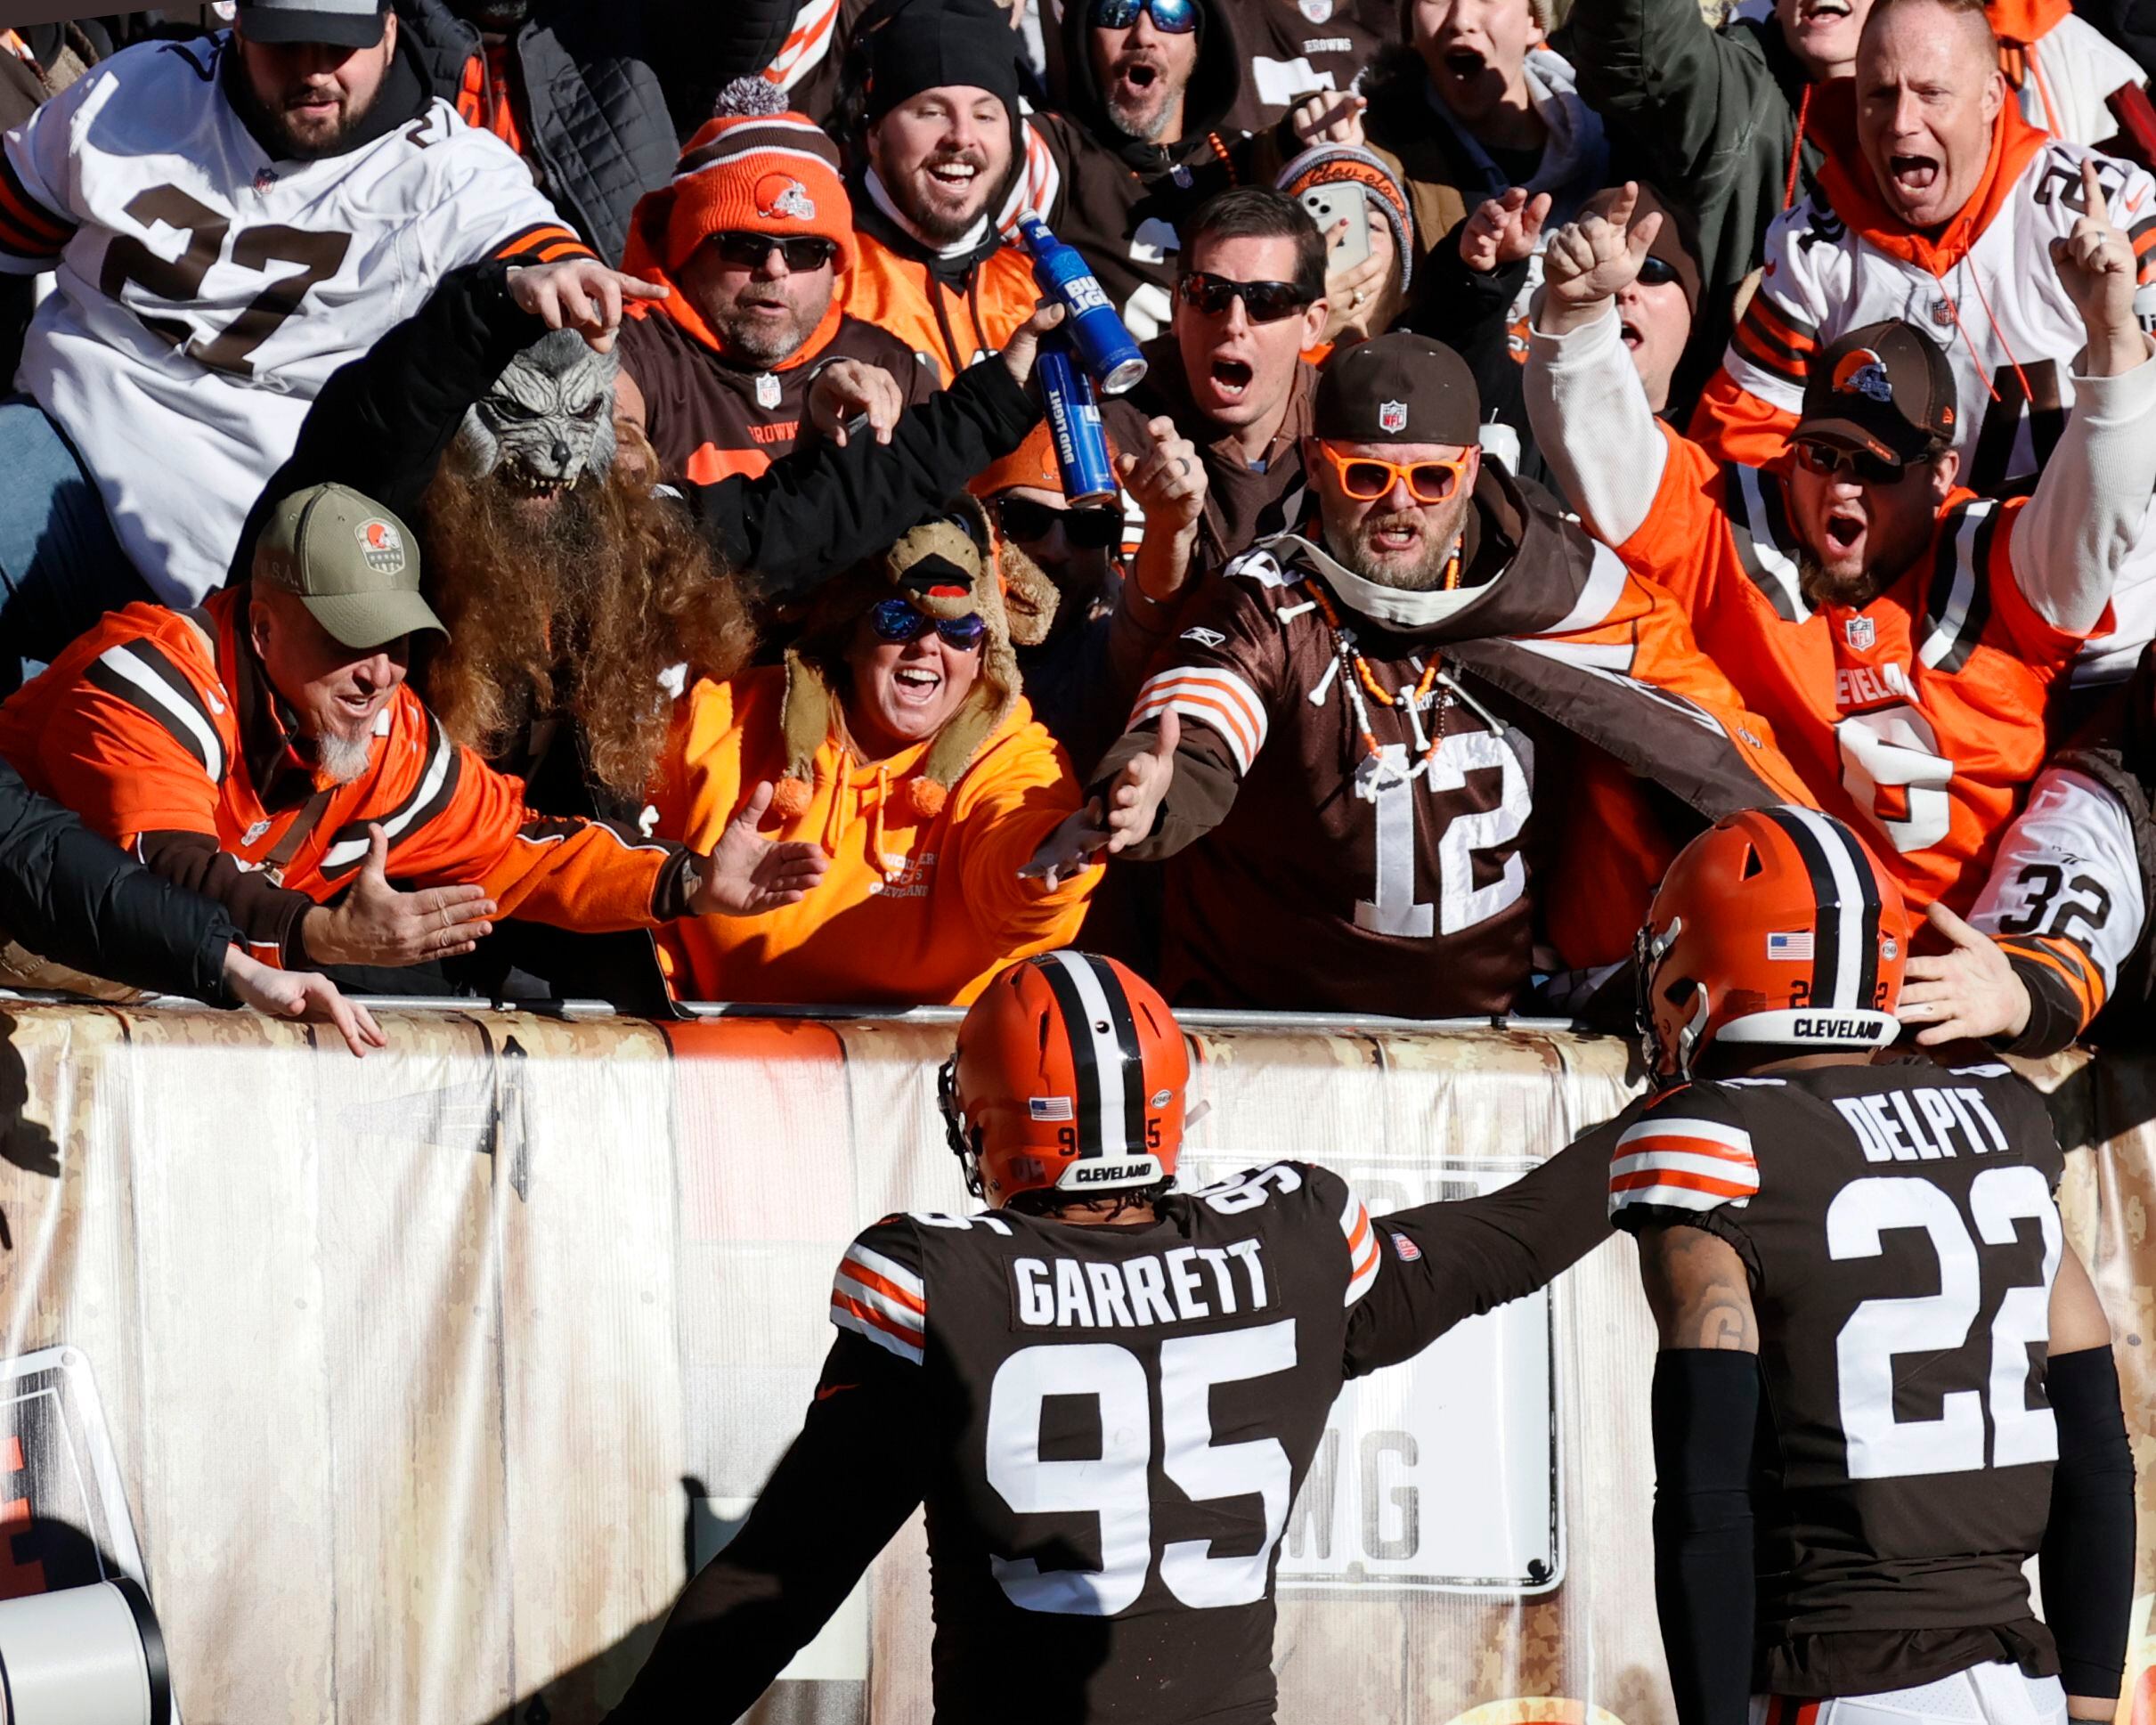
(414, 1385)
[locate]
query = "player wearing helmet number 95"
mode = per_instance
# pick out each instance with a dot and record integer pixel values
(1884, 1375)
(1012, 1368)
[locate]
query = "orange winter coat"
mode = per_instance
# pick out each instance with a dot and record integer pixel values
(915, 909)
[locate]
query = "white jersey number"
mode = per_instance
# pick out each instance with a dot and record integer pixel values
(1113, 1487)
(1893, 771)
(1392, 908)
(1881, 1447)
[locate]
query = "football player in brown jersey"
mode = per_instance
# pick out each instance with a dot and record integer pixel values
(1884, 1381)
(1011, 1369)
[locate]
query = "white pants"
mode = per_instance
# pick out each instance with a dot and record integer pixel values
(1983, 1695)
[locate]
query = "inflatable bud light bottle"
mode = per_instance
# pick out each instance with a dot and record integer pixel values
(1097, 335)
(1074, 422)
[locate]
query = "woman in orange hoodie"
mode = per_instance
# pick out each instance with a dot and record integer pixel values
(897, 737)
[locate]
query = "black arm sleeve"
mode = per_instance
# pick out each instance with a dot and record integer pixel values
(2087, 1565)
(2054, 1013)
(1474, 1254)
(823, 507)
(1704, 1405)
(836, 1497)
(269, 914)
(382, 421)
(76, 898)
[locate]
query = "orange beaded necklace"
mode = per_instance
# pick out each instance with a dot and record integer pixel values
(1361, 679)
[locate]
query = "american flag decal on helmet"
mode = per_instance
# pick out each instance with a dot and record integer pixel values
(1686, 1164)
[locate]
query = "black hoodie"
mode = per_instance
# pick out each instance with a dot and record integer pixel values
(1121, 201)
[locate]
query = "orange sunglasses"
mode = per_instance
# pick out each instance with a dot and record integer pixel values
(1366, 479)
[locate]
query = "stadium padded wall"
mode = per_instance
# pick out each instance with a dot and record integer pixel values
(412, 1385)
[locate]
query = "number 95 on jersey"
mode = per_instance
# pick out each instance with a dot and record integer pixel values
(1442, 1473)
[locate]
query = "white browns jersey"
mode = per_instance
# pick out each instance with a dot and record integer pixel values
(2072, 70)
(2005, 322)
(2065, 891)
(205, 293)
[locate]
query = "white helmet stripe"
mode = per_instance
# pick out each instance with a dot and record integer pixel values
(1850, 872)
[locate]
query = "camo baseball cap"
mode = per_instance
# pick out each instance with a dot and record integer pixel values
(354, 565)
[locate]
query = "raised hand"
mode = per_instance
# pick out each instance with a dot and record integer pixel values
(845, 388)
(1329, 117)
(1354, 291)
(1589, 262)
(1167, 480)
(2096, 266)
(1968, 991)
(580, 294)
(1122, 817)
(1024, 341)
(307, 996)
(1503, 230)
(377, 925)
(746, 873)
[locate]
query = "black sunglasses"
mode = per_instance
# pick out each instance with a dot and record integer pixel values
(1831, 461)
(1091, 529)
(1263, 302)
(896, 621)
(748, 251)
(1657, 273)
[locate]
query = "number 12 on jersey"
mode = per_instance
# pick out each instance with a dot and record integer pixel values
(1115, 1486)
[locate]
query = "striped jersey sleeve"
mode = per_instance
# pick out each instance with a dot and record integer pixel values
(1362, 1258)
(1221, 671)
(1689, 1152)
(36, 223)
(880, 1293)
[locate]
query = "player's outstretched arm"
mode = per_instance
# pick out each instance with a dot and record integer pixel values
(2086, 1564)
(1705, 1401)
(1475, 1253)
(836, 1497)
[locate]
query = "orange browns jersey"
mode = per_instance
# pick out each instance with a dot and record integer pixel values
(1898, 1233)
(148, 733)
(1919, 718)
(953, 327)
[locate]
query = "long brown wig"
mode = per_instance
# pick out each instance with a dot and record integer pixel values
(576, 611)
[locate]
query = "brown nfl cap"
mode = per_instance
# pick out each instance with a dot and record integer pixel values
(343, 23)
(1886, 389)
(1399, 388)
(349, 561)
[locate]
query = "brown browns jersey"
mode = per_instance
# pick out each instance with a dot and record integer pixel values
(1897, 1225)
(708, 419)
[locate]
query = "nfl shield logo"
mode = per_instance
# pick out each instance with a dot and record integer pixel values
(1859, 633)
(1392, 416)
(767, 390)
(1316, 11)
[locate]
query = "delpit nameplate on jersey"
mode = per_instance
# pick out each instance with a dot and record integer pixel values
(1381, 1506)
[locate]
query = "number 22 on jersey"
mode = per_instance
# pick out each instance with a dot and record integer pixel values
(1881, 1447)
(1115, 1486)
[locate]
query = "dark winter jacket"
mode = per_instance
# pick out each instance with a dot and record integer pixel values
(608, 88)
(1121, 201)
(1712, 111)
(381, 424)
(78, 899)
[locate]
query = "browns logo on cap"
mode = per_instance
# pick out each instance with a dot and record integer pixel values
(1887, 388)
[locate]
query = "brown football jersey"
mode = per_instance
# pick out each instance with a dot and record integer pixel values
(1897, 1225)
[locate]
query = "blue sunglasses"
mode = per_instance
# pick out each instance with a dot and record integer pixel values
(896, 621)
(1170, 16)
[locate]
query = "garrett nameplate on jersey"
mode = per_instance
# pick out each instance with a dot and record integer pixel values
(1381, 1507)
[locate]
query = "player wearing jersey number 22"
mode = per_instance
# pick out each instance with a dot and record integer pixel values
(1011, 1367)
(1884, 1381)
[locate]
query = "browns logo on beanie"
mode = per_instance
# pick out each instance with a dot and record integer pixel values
(755, 168)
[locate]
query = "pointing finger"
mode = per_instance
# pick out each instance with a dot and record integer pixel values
(1638, 238)
(1167, 736)
(2094, 204)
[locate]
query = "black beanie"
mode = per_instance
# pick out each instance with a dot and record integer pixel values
(932, 45)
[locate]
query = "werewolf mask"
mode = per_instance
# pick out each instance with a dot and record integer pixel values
(547, 423)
